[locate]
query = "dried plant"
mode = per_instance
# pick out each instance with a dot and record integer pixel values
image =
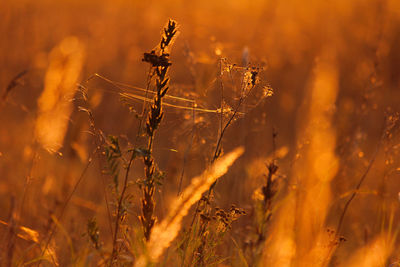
(333, 201)
(160, 64)
(203, 210)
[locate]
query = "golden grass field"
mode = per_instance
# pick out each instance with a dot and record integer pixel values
(200, 133)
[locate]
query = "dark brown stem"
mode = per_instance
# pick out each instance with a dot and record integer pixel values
(218, 145)
(119, 207)
(353, 195)
(159, 65)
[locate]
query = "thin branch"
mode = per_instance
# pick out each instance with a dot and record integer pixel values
(360, 182)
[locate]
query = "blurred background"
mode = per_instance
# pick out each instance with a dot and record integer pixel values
(334, 67)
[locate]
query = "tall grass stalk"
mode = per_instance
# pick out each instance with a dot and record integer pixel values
(160, 64)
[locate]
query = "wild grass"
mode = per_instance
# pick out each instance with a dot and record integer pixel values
(252, 134)
(160, 64)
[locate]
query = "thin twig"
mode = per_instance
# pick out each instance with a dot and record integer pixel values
(360, 182)
(217, 147)
(119, 207)
(354, 194)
